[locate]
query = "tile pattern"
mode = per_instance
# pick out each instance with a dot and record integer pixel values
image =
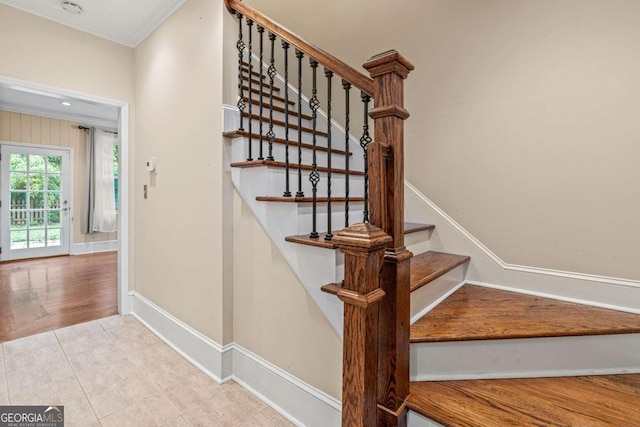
(115, 372)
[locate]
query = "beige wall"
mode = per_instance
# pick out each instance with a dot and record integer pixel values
(274, 316)
(524, 116)
(178, 229)
(26, 128)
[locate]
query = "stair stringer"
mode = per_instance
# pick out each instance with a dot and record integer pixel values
(313, 266)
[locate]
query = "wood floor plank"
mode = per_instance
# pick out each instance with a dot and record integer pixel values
(479, 313)
(44, 294)
(612, 400)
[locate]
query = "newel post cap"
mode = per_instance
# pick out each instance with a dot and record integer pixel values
(362, 237)
(389, 62)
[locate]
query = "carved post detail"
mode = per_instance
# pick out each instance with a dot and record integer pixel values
(363, 246)
(386, 169)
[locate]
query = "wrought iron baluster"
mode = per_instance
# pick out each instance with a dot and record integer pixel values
(347, 88)
(314, 177)
(328, 74)
(272, 74)
(364, 143)
(250, 60)
(299, 55)
(240, 46)
(285, 46)
(261, 32)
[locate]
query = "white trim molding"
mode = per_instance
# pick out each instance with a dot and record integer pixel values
(487, 269)
(299, 402)
(94, 247)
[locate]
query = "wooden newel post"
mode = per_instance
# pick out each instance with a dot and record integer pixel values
(363, 246)
(386, 176)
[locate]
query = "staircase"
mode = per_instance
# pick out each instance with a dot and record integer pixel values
(478, 356)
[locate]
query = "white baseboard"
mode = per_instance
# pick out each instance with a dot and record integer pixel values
(294, 399)
(487, 269)
(94, 247)
(209, 356)
(299, 402)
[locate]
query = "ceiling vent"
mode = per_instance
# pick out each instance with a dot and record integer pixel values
(72, 8)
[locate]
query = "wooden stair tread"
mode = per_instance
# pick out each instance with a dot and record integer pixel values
(304, 239)
(430, 265)
(263, 84)
(293, 126)
(307, 199)
(611, 400)
(415, 227)
(265, 105)
(241, 133)
(255, 73)
(292, 166)
(480, 313)
(266, 95)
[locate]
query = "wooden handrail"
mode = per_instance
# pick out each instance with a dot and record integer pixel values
(353, 76)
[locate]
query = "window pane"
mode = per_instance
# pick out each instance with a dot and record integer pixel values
(36, 200)
(36, 163)
(36, 181)
(53, 182)
(18, 240)
(54, 163)
(18, 181)
(18, 220)
(53, 218)
(18, 162)
(54, 200)
(36, 238)
(18, 200)
(36, 219)
(53, 237)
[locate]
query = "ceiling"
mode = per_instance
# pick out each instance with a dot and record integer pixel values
(127, 22)
(23, 99)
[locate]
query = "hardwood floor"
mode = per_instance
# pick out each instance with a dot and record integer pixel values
(48, 293)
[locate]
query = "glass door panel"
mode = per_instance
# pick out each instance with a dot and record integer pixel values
(36, 220)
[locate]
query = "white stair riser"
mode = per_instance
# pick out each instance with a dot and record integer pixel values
(305, 211)
(526, 358)
(337, 136)
(277, 115)
(277, 180)
(425, 298)
(416, 420)
(418, 242)
(241, 153)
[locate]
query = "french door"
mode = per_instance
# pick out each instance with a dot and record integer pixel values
(35, 215)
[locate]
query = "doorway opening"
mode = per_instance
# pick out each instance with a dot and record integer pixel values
(43, 197)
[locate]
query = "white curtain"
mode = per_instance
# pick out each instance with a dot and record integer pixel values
(104, 217)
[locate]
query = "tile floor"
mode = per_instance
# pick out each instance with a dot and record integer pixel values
(115, 372)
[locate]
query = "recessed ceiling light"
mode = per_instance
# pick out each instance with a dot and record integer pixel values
(72, 8)
(66, 103)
